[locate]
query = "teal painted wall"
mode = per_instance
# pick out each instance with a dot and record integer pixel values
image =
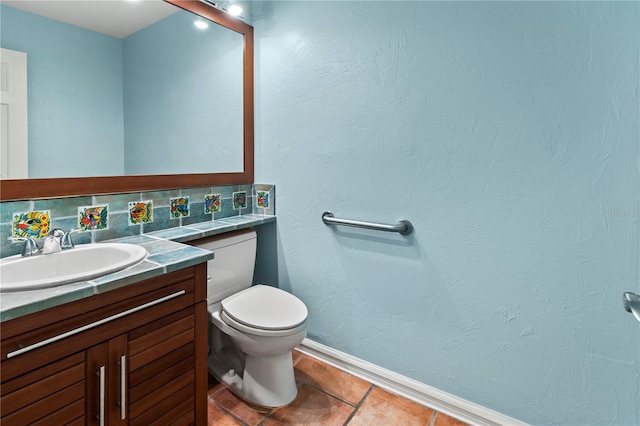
(507, 132)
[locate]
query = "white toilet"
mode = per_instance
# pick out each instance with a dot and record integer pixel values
(252, 329)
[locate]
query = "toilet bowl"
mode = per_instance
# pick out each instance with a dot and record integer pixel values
(252, 329)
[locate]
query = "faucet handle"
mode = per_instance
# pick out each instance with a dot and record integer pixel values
(30, 245)
(65, 241)
(64, 237)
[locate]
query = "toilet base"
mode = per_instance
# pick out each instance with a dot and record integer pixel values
(269, 380)
(266, 381)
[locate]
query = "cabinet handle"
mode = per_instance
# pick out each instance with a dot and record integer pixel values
(101, 396)
(123, 387)
(93, 324)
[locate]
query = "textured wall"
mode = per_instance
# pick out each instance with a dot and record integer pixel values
(507, 132)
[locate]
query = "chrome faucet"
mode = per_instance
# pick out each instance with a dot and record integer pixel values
(52, 242)
(30, 245)
(57, 240)
(65, 241)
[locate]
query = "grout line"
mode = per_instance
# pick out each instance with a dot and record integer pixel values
(357, 407)
(316, 386)
(326, 392)
(433, 418)
(269, 414)
(212, 395)
(212, 398)
(238, 419)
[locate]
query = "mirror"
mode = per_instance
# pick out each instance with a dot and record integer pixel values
(205, 130)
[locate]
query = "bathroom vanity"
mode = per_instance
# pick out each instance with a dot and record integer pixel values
(134, 355)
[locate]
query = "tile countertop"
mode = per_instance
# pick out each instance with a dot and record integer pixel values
(166, 254)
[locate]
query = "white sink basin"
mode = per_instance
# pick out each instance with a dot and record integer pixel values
(80, 263)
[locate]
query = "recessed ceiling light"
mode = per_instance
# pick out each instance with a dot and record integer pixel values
(235, 10)
(201, 24)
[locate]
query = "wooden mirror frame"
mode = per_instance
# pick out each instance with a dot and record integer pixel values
(23, 189)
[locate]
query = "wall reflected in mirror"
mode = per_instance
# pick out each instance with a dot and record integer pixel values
(165, 99)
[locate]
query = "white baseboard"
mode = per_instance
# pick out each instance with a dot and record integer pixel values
(398, 384)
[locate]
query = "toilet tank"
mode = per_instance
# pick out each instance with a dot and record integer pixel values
(231, 269)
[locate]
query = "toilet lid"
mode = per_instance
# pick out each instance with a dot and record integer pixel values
(266, 308)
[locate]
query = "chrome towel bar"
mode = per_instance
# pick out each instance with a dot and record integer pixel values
(404, 227)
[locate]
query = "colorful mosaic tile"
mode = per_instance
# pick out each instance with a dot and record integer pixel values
(93, 218)
(239, 200)
(179, 207)
(212, 203)
(262, 199)
(140, 212)
(31, 224)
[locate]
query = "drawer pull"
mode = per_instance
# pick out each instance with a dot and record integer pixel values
(101, 395)
(123, 387)
(93, 324)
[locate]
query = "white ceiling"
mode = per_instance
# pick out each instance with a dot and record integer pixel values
(117, 18)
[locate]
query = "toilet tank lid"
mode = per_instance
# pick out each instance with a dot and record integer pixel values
(225, 239)
(266, 308)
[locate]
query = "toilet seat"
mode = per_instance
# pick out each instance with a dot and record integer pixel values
(264, 311)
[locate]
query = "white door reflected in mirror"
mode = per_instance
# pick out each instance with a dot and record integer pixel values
(13, 109)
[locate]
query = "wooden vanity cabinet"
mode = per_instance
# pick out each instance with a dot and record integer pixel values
(136, 355)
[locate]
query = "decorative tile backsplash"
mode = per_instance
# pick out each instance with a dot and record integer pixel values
(140, 212)
(93, 218)
(265, 196)
(179, 207)
(104, 217)
(262, 199)
(31, 224)
(239, 200)
(212, 203)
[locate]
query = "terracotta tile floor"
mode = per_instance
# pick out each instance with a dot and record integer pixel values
(326, 396)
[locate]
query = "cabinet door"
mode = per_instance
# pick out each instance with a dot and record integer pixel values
(106, 383)
(52, 394)
(162, 377)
